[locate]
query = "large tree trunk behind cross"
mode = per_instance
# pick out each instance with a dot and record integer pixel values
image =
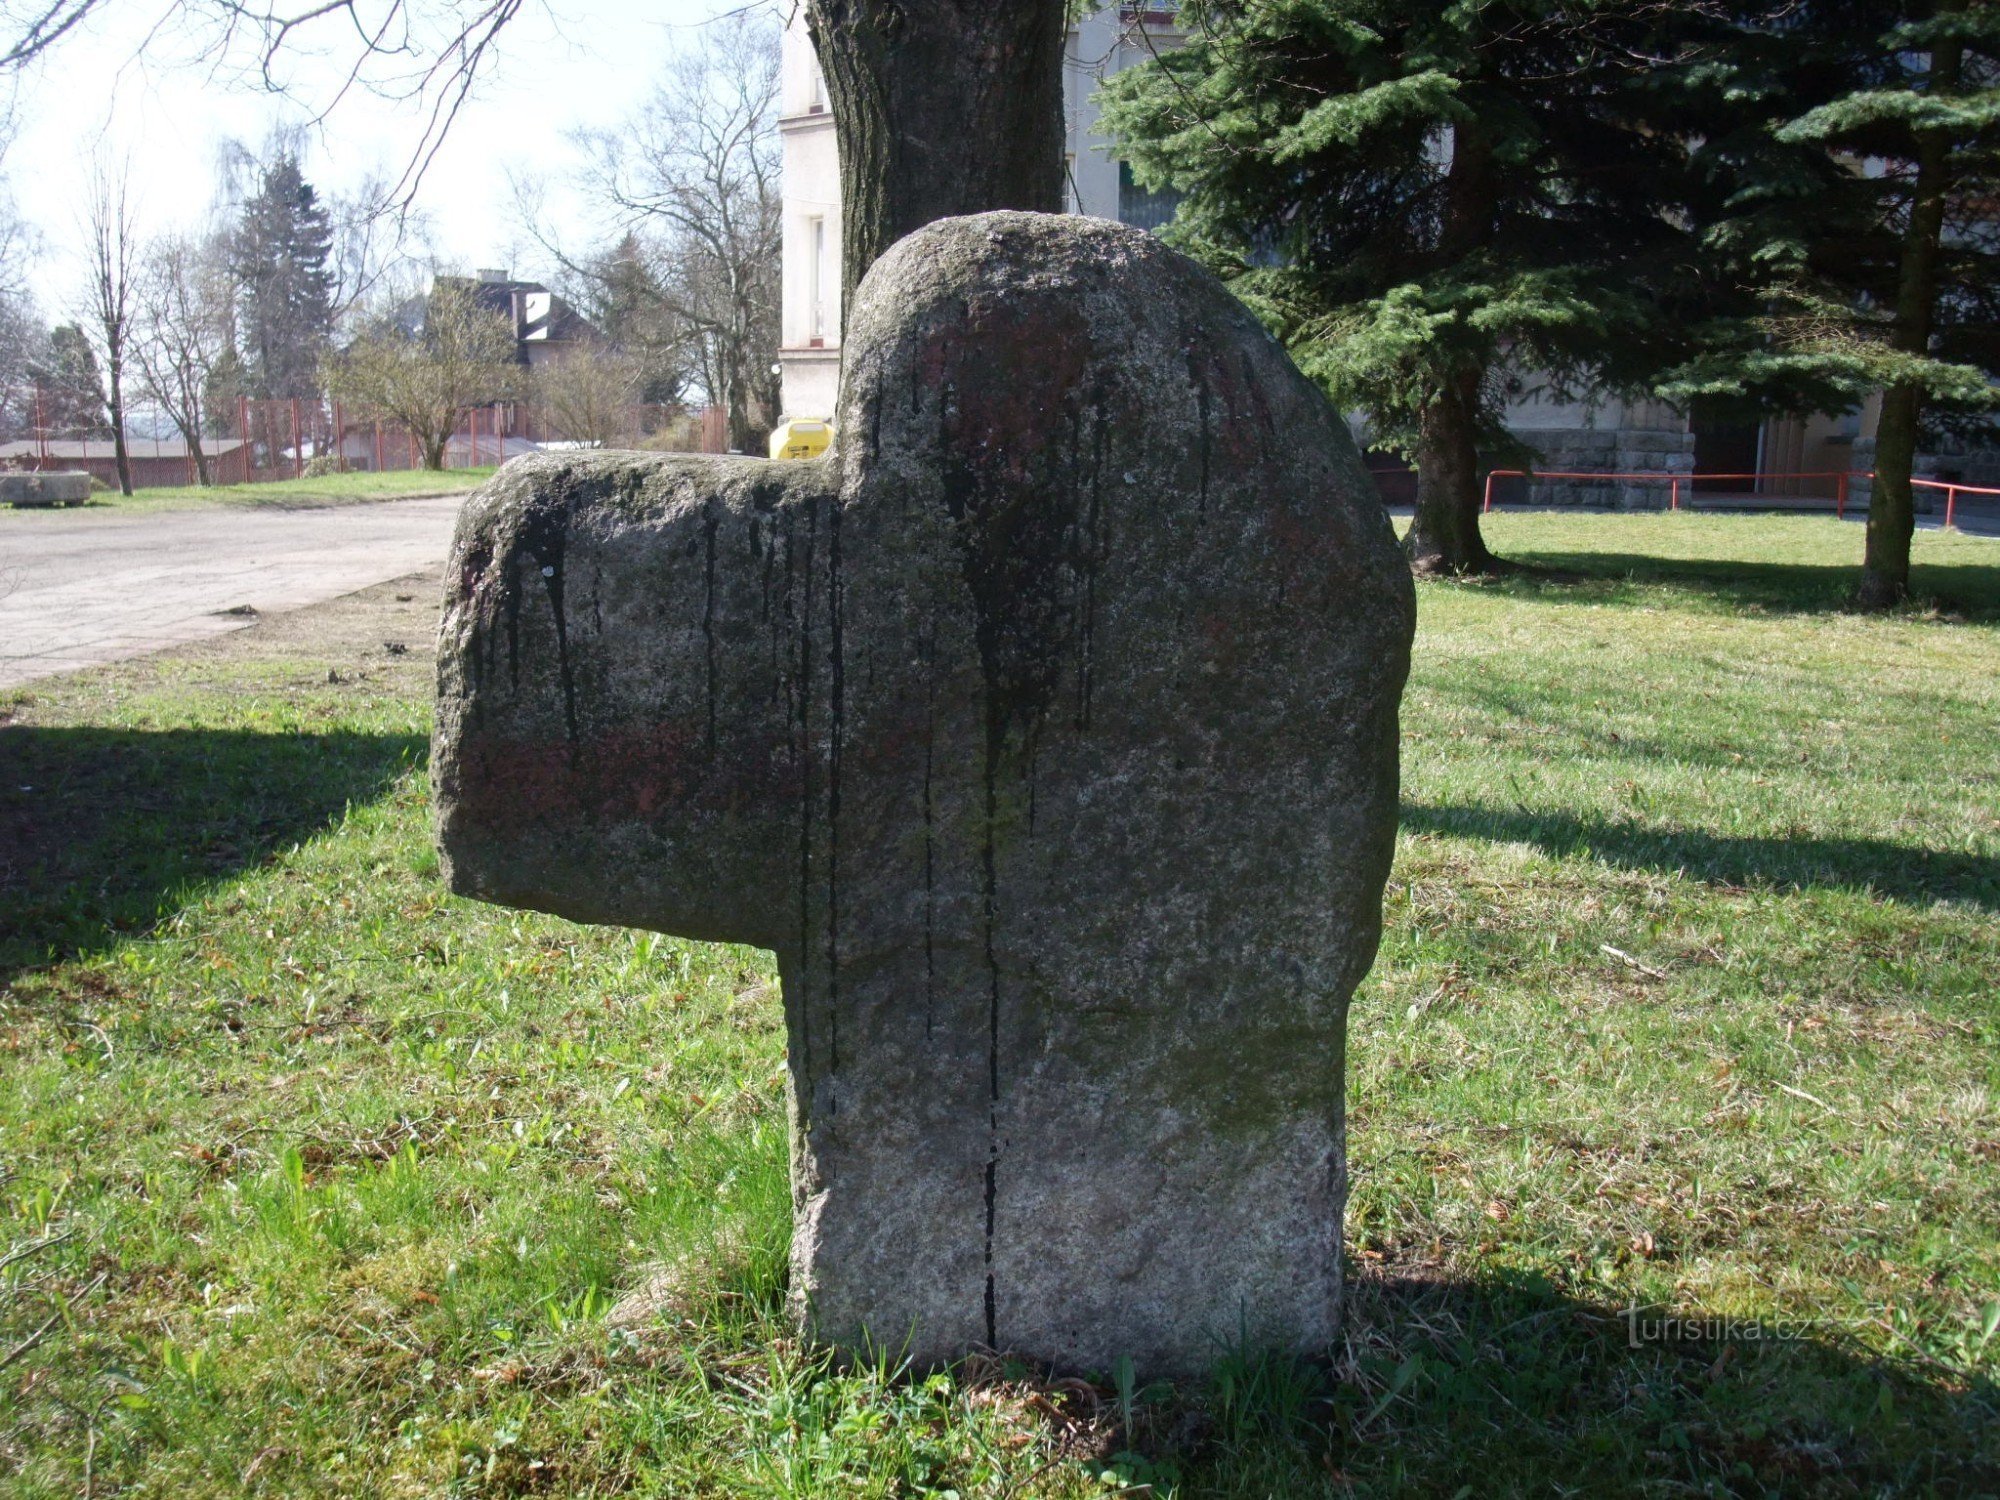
(942, 107)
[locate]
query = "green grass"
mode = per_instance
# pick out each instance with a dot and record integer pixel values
(331, 489)
(319, 1181)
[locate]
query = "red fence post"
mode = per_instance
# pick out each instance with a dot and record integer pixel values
(1486, 504)
(1840, 498)
(378, 445)
(1674, 493)
(1950, 505)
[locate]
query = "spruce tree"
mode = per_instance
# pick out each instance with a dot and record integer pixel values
(1425, 199)
(70, 386)
(1858, 197)
(284, 245)
(629, 306)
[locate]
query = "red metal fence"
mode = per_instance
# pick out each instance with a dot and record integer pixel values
(1680, 485)
(1744, 491)
(254, 442)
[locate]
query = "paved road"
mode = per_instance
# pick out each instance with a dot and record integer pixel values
(80, 588)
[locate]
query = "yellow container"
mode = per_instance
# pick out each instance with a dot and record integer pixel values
(801, 437)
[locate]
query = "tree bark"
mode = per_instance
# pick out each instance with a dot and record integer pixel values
(941, 107)
(115, 378)
(1885, 566)
(1444, 535)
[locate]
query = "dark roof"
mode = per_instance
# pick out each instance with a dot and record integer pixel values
(539, 316)
(102, 448)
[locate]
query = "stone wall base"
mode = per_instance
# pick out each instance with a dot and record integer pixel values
(1618, 450)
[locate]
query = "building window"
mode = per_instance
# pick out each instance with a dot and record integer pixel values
(1143, 209)
(816, 104)
(816, 282)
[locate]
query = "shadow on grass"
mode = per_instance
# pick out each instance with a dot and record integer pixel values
(1964, 590)
(1509, 1386)
(1501, 1385)
(105, 831)
(1861, 865)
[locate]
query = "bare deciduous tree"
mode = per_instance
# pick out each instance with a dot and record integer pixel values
(426, 54)
(695, 178)
(22, 338)
(182, 332)
(588, 397)
(424, 376)
(112, 243)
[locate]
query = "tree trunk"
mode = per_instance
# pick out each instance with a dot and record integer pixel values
(1444, 535)
(116, 372)
(1885, 566)
(200, 459)
(941, 107)
(434, 451)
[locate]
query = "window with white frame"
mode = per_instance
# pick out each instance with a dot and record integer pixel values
(816, 279)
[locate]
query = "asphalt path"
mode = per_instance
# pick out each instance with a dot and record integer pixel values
(79, 588)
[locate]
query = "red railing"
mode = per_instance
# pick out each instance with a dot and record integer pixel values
(1674, 481)
(1842, 481)
(1952, 490)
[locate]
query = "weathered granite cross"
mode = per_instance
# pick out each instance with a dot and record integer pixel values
(1048, 734)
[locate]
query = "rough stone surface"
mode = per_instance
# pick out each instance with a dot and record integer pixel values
(1047, 732)
(58, 487)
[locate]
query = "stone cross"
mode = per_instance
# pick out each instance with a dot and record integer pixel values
(1047, 732)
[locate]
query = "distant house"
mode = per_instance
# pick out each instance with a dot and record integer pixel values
(155, 461)
(546, 328)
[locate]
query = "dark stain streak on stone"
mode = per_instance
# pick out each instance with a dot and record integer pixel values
(927, 664)
(1203, 438)
(710, 520)
(1093, 552)
(545, 538)
(836, 695)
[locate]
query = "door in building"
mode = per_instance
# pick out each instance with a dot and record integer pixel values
(1723, 445)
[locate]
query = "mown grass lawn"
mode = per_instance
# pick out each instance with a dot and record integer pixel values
(329, 489)
(315, 1180)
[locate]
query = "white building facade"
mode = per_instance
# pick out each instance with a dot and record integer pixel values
(809, 315)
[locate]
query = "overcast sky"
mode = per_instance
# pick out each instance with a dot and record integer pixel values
(167, 109)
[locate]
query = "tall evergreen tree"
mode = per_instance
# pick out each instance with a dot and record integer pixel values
(1423, 198)
(627, 302)
(284, 248)
(71, 386)
(1859, 178)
